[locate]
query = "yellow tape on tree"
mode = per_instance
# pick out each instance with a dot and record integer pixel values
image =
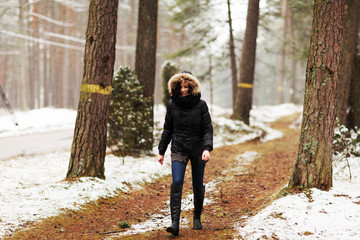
(245, 85)
(92, 88)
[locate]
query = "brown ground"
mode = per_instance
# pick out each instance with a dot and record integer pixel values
(238, 195)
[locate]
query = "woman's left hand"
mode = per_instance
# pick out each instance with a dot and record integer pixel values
(205, 155)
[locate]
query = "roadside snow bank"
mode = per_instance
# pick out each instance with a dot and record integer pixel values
(32, 187)
(36, 121)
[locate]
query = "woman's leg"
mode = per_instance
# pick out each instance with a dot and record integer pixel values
(178, 173)
(197, 171)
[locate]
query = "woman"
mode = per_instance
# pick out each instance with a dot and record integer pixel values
(188, 127)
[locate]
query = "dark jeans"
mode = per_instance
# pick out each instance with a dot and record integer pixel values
(197, 172)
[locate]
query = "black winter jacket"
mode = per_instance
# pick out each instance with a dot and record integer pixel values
(187, 125)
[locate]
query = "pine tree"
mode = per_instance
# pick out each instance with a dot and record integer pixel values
(169, 69)
(129, 133)
(313, 166)
(89, 142)
(145, 59)
(243, 101)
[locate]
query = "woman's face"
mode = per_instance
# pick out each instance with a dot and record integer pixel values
(184, 90)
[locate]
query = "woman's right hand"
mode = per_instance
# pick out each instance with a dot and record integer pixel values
(160, 159)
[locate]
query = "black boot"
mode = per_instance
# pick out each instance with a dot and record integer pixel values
(175, 208)
(199, 194)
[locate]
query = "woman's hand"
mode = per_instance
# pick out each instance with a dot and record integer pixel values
(205, 155)
(160, 159)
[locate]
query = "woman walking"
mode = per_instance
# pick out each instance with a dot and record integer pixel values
(188, 127)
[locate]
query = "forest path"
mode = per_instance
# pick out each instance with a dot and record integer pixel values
(237, 187)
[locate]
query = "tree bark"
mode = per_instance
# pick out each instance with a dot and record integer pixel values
(22, 58)
(292, 54)
(283, 52)
(348, 50)
(145, 59)
(353, 118)
(89, 143)
(232, 55)
(313, 166)
(243, 103)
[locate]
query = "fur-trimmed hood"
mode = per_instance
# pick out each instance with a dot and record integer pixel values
(177, 78)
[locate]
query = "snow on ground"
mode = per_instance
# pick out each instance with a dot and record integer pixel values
(36, 121)
(315, 214)
(32, 187)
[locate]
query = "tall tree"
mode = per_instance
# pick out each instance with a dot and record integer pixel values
(22, 56)
(292, 52)
(348, 51)
(145, 59)
(232, 55)
(313, 166)
(89, 143)
(283, 52)
(243, 103)
(353, 118)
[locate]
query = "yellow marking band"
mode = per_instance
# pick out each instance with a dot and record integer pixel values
(92, 88)
(245, 85)
(280, 88)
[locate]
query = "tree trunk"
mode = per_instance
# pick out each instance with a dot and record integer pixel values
(131, 27)
(22, 57)
(89, 143)
(145, 59)
(283, 53)
(232, 55)
(353, 118)
(313, 166)
(292, 53)
(348, 50)
(243, 102)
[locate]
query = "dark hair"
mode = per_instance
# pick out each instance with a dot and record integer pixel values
(176, 91)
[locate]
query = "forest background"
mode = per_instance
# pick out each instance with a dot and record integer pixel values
(42, 48)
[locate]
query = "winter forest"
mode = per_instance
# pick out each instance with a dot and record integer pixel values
(84, 95)
(38, 35)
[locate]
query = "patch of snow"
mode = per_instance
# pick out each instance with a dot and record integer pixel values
(315, 214)
(272, 113)
(36, 121)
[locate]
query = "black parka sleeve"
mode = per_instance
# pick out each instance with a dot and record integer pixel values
(168, 130)
(206, 127)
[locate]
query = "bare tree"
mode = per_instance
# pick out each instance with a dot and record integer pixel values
(22, 56)
(292, 53)
(348, 52)
(89, 143)
(353, 118)
(243, 103)
(145, 59)
(283, 52)
(313, 166)
(232, 54)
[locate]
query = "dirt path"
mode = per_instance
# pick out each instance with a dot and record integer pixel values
(238, 193)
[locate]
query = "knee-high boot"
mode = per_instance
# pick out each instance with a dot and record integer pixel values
(199, 194)
(175, 208)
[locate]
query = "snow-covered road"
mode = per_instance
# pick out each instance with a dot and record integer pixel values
(35, 143)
